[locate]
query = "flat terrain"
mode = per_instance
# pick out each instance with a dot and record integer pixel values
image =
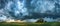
(30, 24)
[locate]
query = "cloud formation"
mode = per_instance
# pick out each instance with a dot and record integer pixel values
(27, 9)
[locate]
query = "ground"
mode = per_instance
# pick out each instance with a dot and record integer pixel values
(30, 24)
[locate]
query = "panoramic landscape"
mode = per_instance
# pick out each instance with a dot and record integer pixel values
(29, 12)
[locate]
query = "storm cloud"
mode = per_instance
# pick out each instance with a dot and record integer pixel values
(29, 9)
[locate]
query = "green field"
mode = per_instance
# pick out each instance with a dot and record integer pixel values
(30, 24)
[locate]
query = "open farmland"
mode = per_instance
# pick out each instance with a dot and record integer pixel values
(30, 24)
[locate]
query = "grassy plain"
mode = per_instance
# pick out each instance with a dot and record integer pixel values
(30, 24)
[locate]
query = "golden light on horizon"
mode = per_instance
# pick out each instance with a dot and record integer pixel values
(12, 20)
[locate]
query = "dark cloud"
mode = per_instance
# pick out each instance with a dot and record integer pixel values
(34, 8)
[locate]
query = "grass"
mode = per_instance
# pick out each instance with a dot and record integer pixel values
(30, 24)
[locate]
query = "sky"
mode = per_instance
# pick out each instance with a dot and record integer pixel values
(28, 9)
